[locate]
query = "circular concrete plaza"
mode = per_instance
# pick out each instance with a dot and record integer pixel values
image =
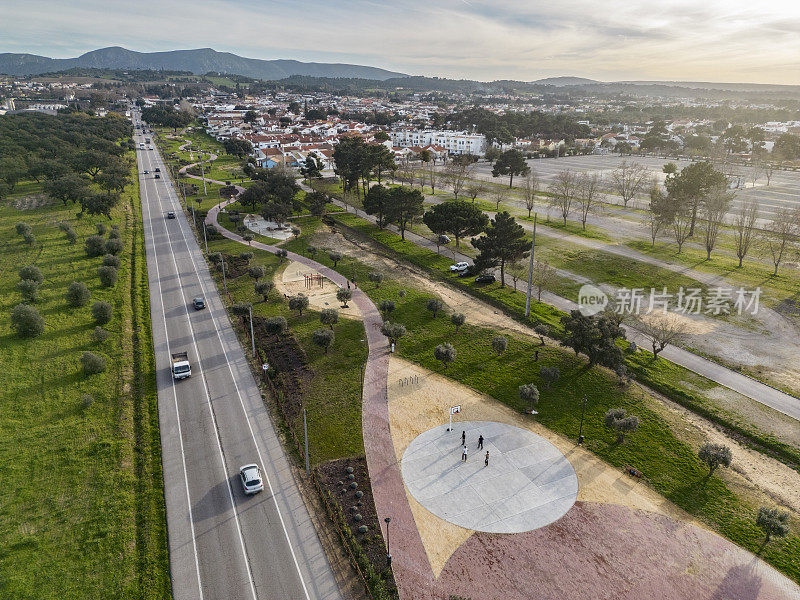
(527, 484)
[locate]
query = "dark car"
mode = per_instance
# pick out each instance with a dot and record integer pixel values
(158, 170)
(171, 214)
(158, 176)
(199, 303)
(484, 278)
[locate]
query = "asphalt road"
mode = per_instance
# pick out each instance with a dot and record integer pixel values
(222, 543)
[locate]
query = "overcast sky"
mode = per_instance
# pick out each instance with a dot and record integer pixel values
(696, 40)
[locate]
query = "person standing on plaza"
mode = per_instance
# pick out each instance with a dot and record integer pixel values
(463, 454)
(463, 438)
(480, 442)
(486, 460)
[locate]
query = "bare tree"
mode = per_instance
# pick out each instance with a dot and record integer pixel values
(628, 179)
(656, 218)
(745, 225)
(754, 171)
(544, 276)
(768, 167)
(588, 192)
(475, 188)
(781, 235)
(433, 177)
(682, 221)
(712, 212)
(456, 173)
(529, 189)
(563, 189)
(499, 194)
(662, 329)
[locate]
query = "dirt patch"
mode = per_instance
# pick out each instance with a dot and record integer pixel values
(32, 202)
(337, 477)
(321, 293)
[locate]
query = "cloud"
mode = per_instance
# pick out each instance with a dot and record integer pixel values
(734, 40)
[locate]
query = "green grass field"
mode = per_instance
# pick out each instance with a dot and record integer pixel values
(81, 505)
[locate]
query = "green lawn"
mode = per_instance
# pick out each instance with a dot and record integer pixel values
(81, 505)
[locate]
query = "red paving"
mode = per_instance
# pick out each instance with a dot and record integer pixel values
(595, 551)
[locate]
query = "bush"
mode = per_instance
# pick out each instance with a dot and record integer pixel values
(100, 335)
(86, 401)
(29, 238)
(434, 305)
(445, 353)
(95, 246)
(376, 278)
(109, 260)
(93, 363)
(26, 321)
(256, 272)
(263, 288)
(29, 290)
(344, 295)
(241, 309)
(114, 234)
(458, 319)
(619, 420)
(71, 236)
(113, 246)
(282, 254)
(101, 312)
(329, 317)
(101, 228)
(323, 338)
(246, 257)
(77, 294)
(499, 344)
(215, 258)
(312, 250)
(387, 307)
(32, 273)
(22, 228)
(542, 330)
(298, 303)
(276, 325)
(108, 276)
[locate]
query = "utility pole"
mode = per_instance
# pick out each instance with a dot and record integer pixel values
(224, 279)
(252, 337)
(530, 269)
(388, 551)
(203, 172)
(580, 430)
(205, 237)
(305, 433)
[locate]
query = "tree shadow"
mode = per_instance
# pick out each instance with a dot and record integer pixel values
(740, 583)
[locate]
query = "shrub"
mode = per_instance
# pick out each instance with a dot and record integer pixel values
(445, 353)
(256, 272)
(499, 343)
(29, 290)
(114, 234)
(86, 401)
(298, 303)
(376, 278)
(312, 250)
(71, 236)
(329, 317)
(247, 238)
(529, 393)
(715, 455)
(215, 258)
(434, 305)
(335, 257)
(549, 375)
(263, 288)
(323, 338)
(77, 294)
(402, 293)
(113, 246)
(542, 330)
(296, 232)
(22, 228)
(246, 257)
(108, 276)
(32, 273)
(282, 254)
(276, 325)
(632, 347)
(101, 312)
(95, 246)
(109, 260)
(100, 335)
(101, 228)
(344, 295)
(393, 331)
(26, 321)
(619, 420)
(93, 363)
(29, 238)
(241, 309)
(386, 307)
(458, 319)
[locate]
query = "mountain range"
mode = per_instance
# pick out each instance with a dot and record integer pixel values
(200, 61)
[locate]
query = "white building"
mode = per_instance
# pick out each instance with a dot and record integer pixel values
(455, 142)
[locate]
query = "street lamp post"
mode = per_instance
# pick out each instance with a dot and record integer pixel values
(252, 337)
(583, 412)
(388, 551)
(224, 279)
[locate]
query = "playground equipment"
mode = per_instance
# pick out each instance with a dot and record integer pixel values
(311, 278)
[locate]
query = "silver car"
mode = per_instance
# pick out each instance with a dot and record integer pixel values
(251, 479)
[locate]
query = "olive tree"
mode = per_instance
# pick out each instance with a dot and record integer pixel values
(445, 353)
(499, 343)
(93, 363)
(458, 319)
(26, 321)
(619, 420)
(256, 272)
(298, 303)
(772, 522)
(263, 288)
(29, 290)
(108, 276)
(323, 338)
(335, 257)
(386, 307)
(549, 375)
(434, 305)
(376, 278)
(77, 294)
(329, 317)
(541, 330)
(101, 312)
(344, 295)
(275, 325)
(109, 260)
(393, 331)
(715, 455)
(95, 245)
(529, 393)
(31, 273)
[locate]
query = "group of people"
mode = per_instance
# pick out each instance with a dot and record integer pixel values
(480, 447)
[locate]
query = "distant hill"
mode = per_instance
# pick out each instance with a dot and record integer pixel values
(565, 81)
(201, 61)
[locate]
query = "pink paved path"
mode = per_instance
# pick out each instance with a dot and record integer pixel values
(595, 551)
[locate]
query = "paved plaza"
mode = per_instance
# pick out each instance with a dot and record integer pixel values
(527, 484)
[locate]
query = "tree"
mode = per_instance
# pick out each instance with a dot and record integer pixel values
(529, 393)
(619, 420)
(458, 319)
(12, 170)
(499, 195)
(263, 288)
(323, 338)
(549, 375)
(475, 188)
(375, 278)
(113, 246)
(529, 190)
(26, 321)
(344, 295)
(745, 227)
(99, 203)
(712, 211)
(457, 218)
(503, 243)
(393, 331)
(29, 289)
(22, 228)
(275, 325)
(256, 272)
(298, 303)
(511, 162)
(108, 276)
(787, 147)
(499, 343)
(692, 185)
(31, 273)
(68, 188)
(317, 203)
(386, 307)
(246, 257)
(659, 212)
(715, 455)
(456, 173)
(541, 330)
(445, 353)
(544, 276)
(781, 235)
(628, 179)
(250, 116)
(92, 363)
(433, 176)
(588, 192)
(662, 329)
(404, 205)
(335, 257)
(772, 522)
(95, 245)
(77, 294)
(329, 317)
(434, 305)
(563, 190)
(595, 336)
(376, 203)
(101, 312)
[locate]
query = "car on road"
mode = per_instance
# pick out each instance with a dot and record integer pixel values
(158, 176)
(199, 303)
(459, 267)
(146, 172)
(171, 214)
(158, 170)
(251, 479)
(484, 278)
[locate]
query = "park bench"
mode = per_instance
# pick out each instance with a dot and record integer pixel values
(633, 472)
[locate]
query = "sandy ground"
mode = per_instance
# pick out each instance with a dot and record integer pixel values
(419, 406)
(291, 281)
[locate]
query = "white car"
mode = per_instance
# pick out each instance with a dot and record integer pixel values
(459, 267)
(251, 479)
